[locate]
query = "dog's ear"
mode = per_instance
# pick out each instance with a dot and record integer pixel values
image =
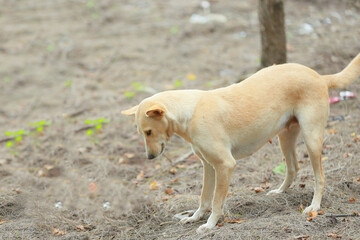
(156, 110)
(130, 111)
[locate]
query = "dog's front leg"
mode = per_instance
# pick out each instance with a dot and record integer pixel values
(223, 172)
(206, 193)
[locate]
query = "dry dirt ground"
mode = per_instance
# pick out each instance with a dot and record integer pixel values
(67, 61)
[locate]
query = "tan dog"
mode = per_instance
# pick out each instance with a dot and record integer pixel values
(233, 122)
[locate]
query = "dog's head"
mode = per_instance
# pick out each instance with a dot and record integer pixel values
(153, 124)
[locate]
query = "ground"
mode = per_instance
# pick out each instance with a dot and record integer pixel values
(68, 61)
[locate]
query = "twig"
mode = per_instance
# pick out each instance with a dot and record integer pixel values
(83, 129)
(183, 158)
(342, 215)
(6, 139)
(163, 223)
(77, 113)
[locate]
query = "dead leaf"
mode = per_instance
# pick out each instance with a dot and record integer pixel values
(48, 167)
(258, 189)
(229, 220)
(334, 235)
(2, 221)
(122, 160)
(313, 214)
(301, 208)
(80, 227)
(324, 158)
(329, 146)
(58, 232)
(332, 131)
(301, 185)
(321, 212)
(92, 187)
(220, 225)
(41, 173)
(129, 155)
(302, 237)
(270, 141)
(154, 185)
(180, 166)
(265, 185)
(309, 218)
(173, 171)
(164, 199)
(346, 155)
(358, 179)
(140, 176)
(352, 200)
(169, 191)
(174, 180)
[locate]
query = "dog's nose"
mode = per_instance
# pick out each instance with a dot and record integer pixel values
(151, 156)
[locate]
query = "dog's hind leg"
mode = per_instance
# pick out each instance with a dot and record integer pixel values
(206, 193)
(288, 146)
(312, 123)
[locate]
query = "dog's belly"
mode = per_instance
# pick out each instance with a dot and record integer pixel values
(245, 143)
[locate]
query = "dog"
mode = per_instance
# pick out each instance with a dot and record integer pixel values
(233, 122)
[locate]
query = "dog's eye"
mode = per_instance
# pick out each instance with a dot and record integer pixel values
(148, 133)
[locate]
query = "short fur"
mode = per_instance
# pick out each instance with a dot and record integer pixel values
(233, 122)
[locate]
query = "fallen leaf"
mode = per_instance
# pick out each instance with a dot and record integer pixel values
(302, 237)
(329, 146)
(129, 155)
(48, 167)
(41, 173)
(358, 179)
(180, 166)
(2, 221)
(173, 171)
(332, 131)
(313, 214)
(258, 189)
(265, 185)
(191, 77)
(270, 141)
(122, 160)
(164, 199)
(346, 155)
(301, 208)
(321, 212)
(92, 187)
(140, 176)
(352, 200)
(80, 227)
(58, 232)
(324, 158)
(334, 235)
(301, 185)
(309, 218)
(174, 180)
(220, 225)
(169, 191)
(229, 220)
(154, 186)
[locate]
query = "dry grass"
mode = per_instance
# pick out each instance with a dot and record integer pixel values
(67, 57)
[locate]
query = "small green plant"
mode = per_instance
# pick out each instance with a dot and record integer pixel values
(96, 126)
(177, 83)
(91, 4)
(50, 48)
(138, 87)
(16, 138)
(280, 169)
(129, 94)
(68, 83)
(174, 29)
(40, 126)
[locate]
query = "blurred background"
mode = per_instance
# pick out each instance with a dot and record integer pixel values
(72, 167)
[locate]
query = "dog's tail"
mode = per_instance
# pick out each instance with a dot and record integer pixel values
(346, 76)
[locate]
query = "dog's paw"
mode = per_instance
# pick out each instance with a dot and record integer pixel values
(311, 208)
(204, 228)
(189, 219)
(274, 192)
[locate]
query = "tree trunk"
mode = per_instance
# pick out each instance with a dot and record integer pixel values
(272, 29)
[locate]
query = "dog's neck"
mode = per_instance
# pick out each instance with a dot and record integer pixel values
(181, 107)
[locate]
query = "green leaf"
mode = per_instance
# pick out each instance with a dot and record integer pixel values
(89, 132)
(139, 87)
(9, 144)
(129, 94)
(99, 126)
(68, 83)
(9, 133)
(174, 29)
(280, 169)
(20, 132)
(90, 4)
(177, 83)
(39, 129)
(88, 121)
(18, 138)
(50, 48)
